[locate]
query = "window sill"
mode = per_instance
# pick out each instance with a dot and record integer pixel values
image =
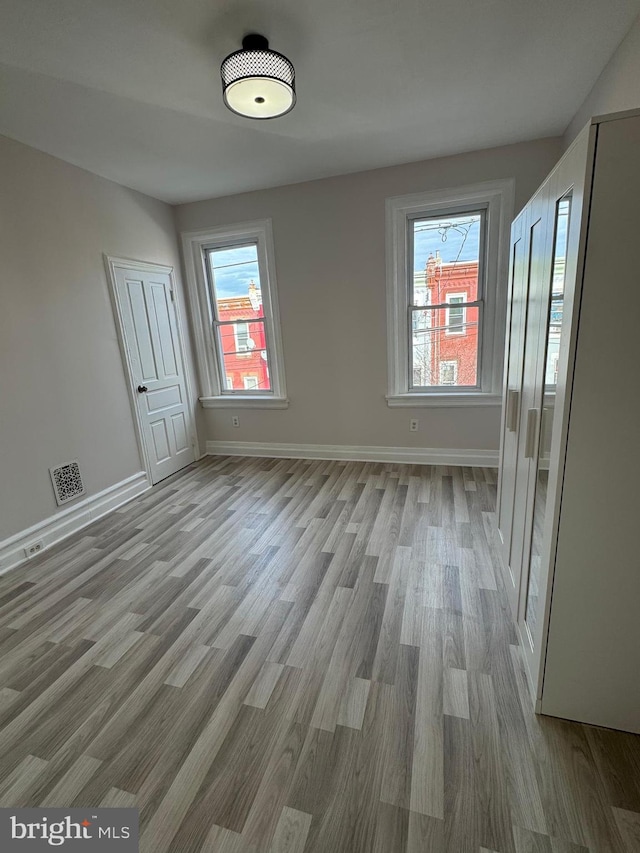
(244, 402)
(443, 400)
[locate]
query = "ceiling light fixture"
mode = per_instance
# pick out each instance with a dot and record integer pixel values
(258, 82)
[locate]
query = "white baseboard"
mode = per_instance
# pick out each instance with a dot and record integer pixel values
(70, 520)
(356, 453)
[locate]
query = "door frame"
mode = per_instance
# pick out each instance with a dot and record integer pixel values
(112, 263)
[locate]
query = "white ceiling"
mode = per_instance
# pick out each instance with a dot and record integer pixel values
(130, 89)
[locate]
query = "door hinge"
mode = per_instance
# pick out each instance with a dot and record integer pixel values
(173, 298)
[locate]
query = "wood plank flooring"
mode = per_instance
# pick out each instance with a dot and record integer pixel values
(289, 656)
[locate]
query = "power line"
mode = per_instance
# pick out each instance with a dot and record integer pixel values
(444, 226)
(234, 264)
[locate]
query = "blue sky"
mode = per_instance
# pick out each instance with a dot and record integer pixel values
(234, 280)
(429, 240)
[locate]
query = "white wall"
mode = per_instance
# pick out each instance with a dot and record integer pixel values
(617, 88)
(62, 386)
(330, 257)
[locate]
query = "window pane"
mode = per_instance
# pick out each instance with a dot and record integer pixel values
(246, 365)
(444, 353)
(235, 279)
(247, 374)
(446, 257)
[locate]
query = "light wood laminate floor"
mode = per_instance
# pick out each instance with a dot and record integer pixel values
(285, 656)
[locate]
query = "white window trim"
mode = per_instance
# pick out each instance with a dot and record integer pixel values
(253, 379)
(497, 197)
(194, 244)
(461, 329)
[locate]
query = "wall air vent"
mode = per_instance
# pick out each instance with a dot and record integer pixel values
(67, 482)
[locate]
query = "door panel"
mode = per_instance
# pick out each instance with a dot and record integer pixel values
(141, 340)
(547, 390)
(535, 274)
(513, 390)
(160, 441)
(525, 313)
(164, 331)
(162, 398)
(152, 340)
(180, 435)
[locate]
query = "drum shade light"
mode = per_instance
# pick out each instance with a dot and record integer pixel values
(257, 82)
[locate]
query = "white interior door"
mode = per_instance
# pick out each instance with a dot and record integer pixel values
(152, 340)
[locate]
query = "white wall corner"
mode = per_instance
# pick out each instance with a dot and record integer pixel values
(71, 519)
(357, 453)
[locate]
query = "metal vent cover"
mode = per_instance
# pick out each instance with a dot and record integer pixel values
(67, 482)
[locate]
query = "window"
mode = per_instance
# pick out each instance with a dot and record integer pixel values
(446, 295)
(455, 316)
(446, 255)
(232, 285)
(448, 373)
(237, 314)
(241, 331)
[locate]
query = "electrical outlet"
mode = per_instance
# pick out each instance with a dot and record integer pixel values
(413, 425)
(235, 420)
(34, 548)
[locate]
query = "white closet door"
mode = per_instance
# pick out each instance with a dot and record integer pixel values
(536, 266)
(558, 321)
(514, 367)
(593, 654)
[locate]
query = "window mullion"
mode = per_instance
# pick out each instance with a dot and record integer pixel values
(476, 303)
